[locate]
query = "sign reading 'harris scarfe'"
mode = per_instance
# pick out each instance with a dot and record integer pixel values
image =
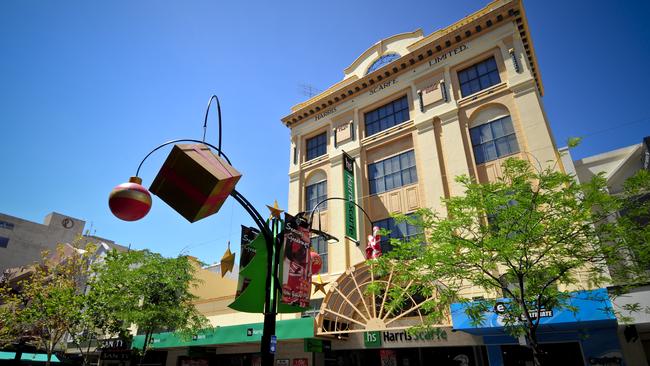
(348, 194)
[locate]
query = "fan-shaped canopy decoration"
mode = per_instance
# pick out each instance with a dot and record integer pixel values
(350, 307)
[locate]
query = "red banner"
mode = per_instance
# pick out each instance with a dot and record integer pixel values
(296, 266)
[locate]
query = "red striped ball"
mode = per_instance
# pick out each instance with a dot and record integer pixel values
(130, 201)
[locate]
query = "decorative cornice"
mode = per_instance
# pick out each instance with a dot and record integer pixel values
(315, 162)
(390, 134)
(424, 125)
(449, 116)
(523, 87)
(495, 13)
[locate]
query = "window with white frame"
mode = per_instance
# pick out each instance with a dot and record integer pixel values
(398, 230)
(387, 116)
(317, 146)
(479, 76)
(391, 173)
(493, 140)
(315, 193)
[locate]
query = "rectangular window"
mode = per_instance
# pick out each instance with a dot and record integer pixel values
(317, 146)
(392, 173)
(403, 230)
(478, 77)
(314, 194)
(387, 116)
(6, 225)
(320, 246)
(4, 242)
(493, 140)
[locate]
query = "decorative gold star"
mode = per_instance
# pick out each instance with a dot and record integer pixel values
(320, 285)
(227, 261)
(275, 210)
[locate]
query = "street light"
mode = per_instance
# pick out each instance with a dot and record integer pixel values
(131, 201)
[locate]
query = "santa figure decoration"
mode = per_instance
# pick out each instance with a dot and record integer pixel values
(373, 249)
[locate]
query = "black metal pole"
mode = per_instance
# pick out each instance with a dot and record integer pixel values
(270, 299)
(272, 242)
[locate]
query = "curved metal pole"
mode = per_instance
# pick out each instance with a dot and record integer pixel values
(137, 172)
(270, 295)
(313, 210)
(257, 217)
(205, 120)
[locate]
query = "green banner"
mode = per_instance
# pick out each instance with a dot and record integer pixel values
(252, 273)
(251, 288)
(349, 195)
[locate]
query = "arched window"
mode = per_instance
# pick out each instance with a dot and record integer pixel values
(493, 135)
(383, 60)
(316, 190)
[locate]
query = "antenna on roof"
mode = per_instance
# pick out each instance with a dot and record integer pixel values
(308, 90)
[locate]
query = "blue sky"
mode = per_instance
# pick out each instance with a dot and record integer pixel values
(87, 88)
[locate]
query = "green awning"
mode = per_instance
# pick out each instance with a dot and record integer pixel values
(35, 357)
(284, 329)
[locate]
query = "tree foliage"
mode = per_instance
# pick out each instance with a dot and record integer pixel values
(66, 294)
(146, 290)
(530, 236)
(46, 300)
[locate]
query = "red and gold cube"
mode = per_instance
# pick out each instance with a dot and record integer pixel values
(194, 181)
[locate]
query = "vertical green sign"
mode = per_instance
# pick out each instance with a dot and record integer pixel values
(348, 194)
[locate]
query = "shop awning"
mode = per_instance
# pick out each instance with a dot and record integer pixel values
(594, 309)
(35, 357)
(244, 333)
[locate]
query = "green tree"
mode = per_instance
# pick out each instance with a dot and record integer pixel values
(9, 314)
(46, 300)
(146, 290)
(531, 237)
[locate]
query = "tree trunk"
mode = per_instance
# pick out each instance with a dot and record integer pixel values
(538, 355)
(18, 356)
(147, 336)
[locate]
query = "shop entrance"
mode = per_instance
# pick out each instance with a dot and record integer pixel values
(568, 354)
(439, 356)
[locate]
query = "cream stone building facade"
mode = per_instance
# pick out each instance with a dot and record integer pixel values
(411, 113)
(414, 112)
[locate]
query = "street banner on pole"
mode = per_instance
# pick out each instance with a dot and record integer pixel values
(349, 195)
(296, 263)
(252, 272)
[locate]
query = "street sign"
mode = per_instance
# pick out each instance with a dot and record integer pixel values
(317, 345)
(274, 344)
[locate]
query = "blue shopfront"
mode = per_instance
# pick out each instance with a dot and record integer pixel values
(585, 337)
